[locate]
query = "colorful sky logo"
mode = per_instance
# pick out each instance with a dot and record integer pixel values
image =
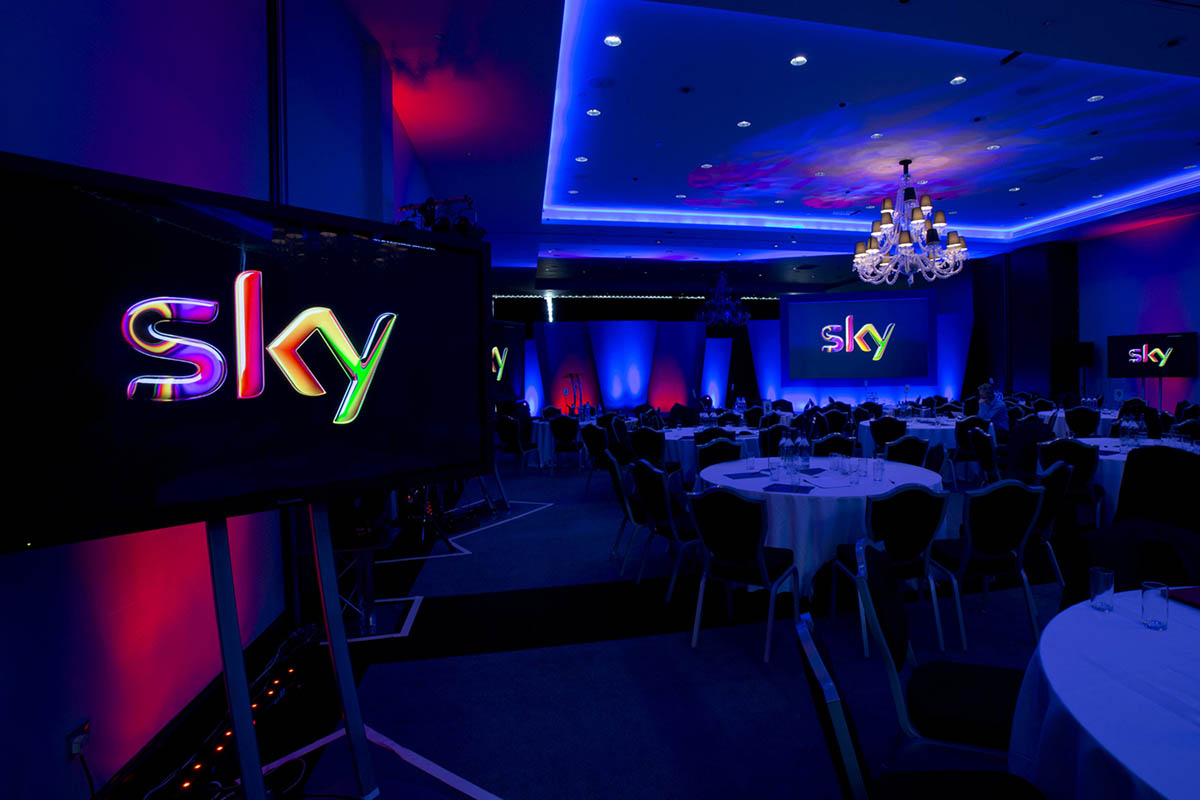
(845, 342)
(1148, 355)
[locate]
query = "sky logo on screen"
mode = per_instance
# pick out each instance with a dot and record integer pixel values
(208, 363)
(498, 360)
(1148, 355)
(844, 338)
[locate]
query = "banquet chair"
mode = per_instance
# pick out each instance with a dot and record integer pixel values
(1133, 407)
(768, 440)
(1023, 441)
(855, 778)
(1043, 404)
(997, 522)
(783, 405)
(833, 443)
(718, 451)
(733, 535)
(650, 418)
(859, 415)
(836, 418)
(934, 458)
(729, 418)
(707, 435)
(632, 512)
(957, 703)
(884, 430)
(770, 419)
(1014, 414)
(651, 445)
(970, 406)
(1181, 408)
(1068, 400)
(1024, 397)
(1154, 425)
(875, 408)
(509, 432)
(642, 408)
(595, 440)
(904, 521)
(1189, 429)
(565, 431)
(985, 453)
(666, 518)
(964, 453)
(839, 405)
(819, 426)
(907, 449)
(1159, 485)
(1189, 412)
(752, 416)
(1055, 480)
(1085, 460)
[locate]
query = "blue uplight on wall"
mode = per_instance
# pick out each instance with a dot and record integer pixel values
(623, 352)
(764, 345)
(714, 375)
(533, 378)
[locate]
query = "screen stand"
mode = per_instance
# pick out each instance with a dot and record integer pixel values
(1160, 395)
(237, 691)
(339, 651)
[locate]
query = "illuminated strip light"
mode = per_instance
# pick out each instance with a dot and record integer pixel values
(598, 297)
(572, 11)
(401, 244)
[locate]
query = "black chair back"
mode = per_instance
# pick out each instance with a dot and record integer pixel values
(550, 412)
(733, 528)
(641, 408)
(631, 505)
(1068, 400)
(509, 433)
(962, 429)
(654, 496)
(905, 520)
(1133, 407)
(1159, 485)
(596, 441)
(651, 419)
(838, 443)
(1189, 412)
(752, 416)
(565, 430)
(1023, 443)
(620, 432)
(768, 440)
(717, 451)
(769, 419)
(887, 429)
(729, 418)
(859, 415)
(935, 457)
(997, 519)
(1055, 480)
(783, 405)
(985, 451)
(1043, 404)
(1083, 457)
(1189, 429)
(1154, 425)
(819, 426)
(708, 434)
(836, 418)
(875, 408)
(649, 444)
(970, 406)
(605, 422)
(907, 449)
(887, 600)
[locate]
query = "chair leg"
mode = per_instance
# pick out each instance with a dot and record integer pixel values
(629, 549)
(645, 556)
(962, 627)
(675, 572)
(770, 624)
(1033, 621)
(699, 606)
(620, 533)
(862, 624)
(795, 595)
(937, 614)
(1058, 576)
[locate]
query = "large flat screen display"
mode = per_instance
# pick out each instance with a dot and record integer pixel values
(200, 355)
(857, 337)
(1152, 355)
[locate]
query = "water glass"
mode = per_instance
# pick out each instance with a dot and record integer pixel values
(852, 468)
(878, 467)
(1102, 589)
(835, 463)
(1154, 605)
(862, 467)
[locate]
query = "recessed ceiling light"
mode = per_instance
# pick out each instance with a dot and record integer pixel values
(868, 207)
(572, 191)
(951, 212)
(799, 61)
(744, 124)
(957, 80)
(593, 112)
(819, 174)
(993, 147)
(680, 196)
(778, 202)
(1096, 98)
(612, 41)
(1097, 196)
(1097, 158)
(923, 181)
(1189, 166)
(876, 135)
(706, 165)
(581, 159)
(1015, 189)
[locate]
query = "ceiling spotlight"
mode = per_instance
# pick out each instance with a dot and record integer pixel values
(799, 61)
(957, 80)
(1015, 189)
(680, 196)
(819, 174)
(1097, 196)
(581, 159)
(706, 165)
(923, 181)
(593, 112)
(778, 202)
(744, 124)
(993, 147)
(612, 41)
(572, 191)
(1189, 166)
(1096, 98)
(876, 135)
(868, 207)
(1096, 158)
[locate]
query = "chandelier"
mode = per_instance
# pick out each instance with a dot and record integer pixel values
(906, 240)
(722, 310)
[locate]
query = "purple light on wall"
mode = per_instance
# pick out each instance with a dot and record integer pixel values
(533, 378)
(623, 352)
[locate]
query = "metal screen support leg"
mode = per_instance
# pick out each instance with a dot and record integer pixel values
(339, 651)
(237, 691)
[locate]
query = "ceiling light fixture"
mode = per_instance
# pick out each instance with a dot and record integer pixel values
(1189, 166)
(993, 147)
(1096, 158)
(799, 61)
(819, 174)
(778, 202)
(612, 40)
(706, 165)
(593, 112)
(957, 80)
(876, 135)
(1096, 98)
(907, 240)
(581, 159)
(1015, 189)
(1097, 196)
(744, 124)
(680, 196)
(923, 181)
(572, 191)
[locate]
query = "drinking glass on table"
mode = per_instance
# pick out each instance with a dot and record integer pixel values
(877, 465)
(862, 468)
(852, 465)
(835, 463)
(1154, 605)
(1102, 588)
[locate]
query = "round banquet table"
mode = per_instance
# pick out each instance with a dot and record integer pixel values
(1108, 472)
(1111, 709)
(1108, 418)
(830, 510)
(935, 431)
(681, 448)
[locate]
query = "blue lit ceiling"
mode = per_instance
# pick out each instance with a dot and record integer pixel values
(671, 95)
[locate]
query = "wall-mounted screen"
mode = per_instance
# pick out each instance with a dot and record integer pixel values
(858, 337)
(201, 355)
(1152, 355)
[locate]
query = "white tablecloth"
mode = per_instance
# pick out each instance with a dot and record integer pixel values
(1108, 472)
(1107, 419)
(814, 524)
(935, 431)
(681, 448)
(1110, 709)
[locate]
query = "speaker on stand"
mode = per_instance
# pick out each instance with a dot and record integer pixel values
(1086, 357)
